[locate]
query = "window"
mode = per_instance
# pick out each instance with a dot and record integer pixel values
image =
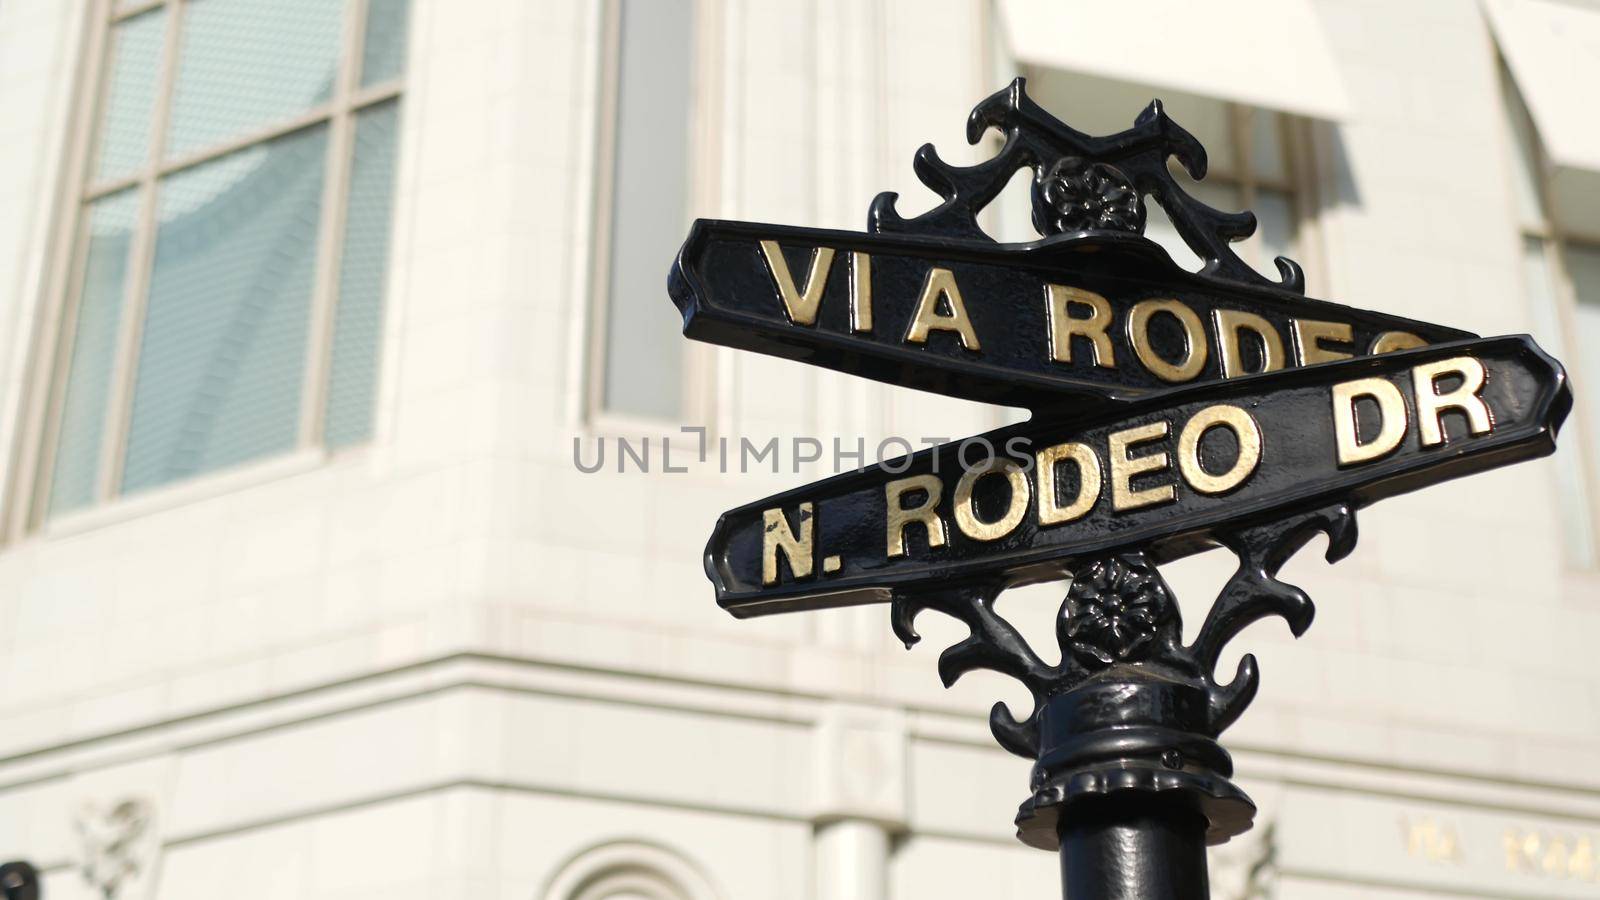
(1561, 269)
(225, 300)
(645, 199)
(1256, 158)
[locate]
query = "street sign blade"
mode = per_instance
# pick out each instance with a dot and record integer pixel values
(1168, 474)
(1066, 323)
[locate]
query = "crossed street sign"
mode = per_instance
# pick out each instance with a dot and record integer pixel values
(1168, 404)
(1173, 412)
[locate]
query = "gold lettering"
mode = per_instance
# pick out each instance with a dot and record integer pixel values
(1549, 854)
(1051, 513)
(860, 291)
(1123, 468)
(1229, 324)
(941, 283)
(1391, 341)
(1432, 841)
(1521, 850)
(777, 535)
(800, 303)
(1391, 416)
(967, 512)
(1431, 404)
(1194, 339)
(1309, 335)
(1245, 431)
(925, 513)
(1581, 864)
(1063, 326)
(1555, 856)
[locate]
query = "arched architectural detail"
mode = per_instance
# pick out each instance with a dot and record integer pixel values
(629, 870)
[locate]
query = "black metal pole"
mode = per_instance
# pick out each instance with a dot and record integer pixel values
(19, 881)
(1130, 785)
(1133, 848)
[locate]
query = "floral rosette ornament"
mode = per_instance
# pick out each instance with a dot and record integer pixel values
(1079, 195)
(1115, 610)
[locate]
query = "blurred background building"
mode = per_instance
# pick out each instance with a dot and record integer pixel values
(304, 303)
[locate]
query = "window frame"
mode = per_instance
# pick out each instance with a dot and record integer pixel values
(28, 509)
(1554, 241)
(699, 383)
(1298, 183)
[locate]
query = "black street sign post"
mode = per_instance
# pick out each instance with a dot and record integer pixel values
(1174, 412)
(19, 881)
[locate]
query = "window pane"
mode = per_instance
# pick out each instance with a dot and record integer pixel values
(1266, 146)
(383, 51)
(1274, 235)
(358, 318)
(245, 64)
(1160, 229)
(94, 350)
(130, 95)
(1583, 266)
(649, 209)
(1525, 155)
(1102, 106)
(220, 364)
(1577, 531)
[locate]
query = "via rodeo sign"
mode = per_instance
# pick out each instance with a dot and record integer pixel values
(1173, 412)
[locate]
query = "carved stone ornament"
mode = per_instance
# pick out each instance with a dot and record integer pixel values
(117, 843)
(1247, 869)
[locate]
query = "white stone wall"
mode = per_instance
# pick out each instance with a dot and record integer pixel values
(448, 663)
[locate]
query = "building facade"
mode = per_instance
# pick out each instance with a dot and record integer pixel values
(314, 314)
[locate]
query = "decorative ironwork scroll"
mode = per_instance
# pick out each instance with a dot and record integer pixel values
(1128, 698)
(1082, 184)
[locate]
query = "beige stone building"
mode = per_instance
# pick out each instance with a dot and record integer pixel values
(310, 309)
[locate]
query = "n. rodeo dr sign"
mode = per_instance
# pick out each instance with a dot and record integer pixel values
(1026, 501)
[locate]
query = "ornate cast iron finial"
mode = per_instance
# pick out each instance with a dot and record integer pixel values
(1129, 707)
(1118, 609)
(1078, 195)
(1082, 185)
(117, 842)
